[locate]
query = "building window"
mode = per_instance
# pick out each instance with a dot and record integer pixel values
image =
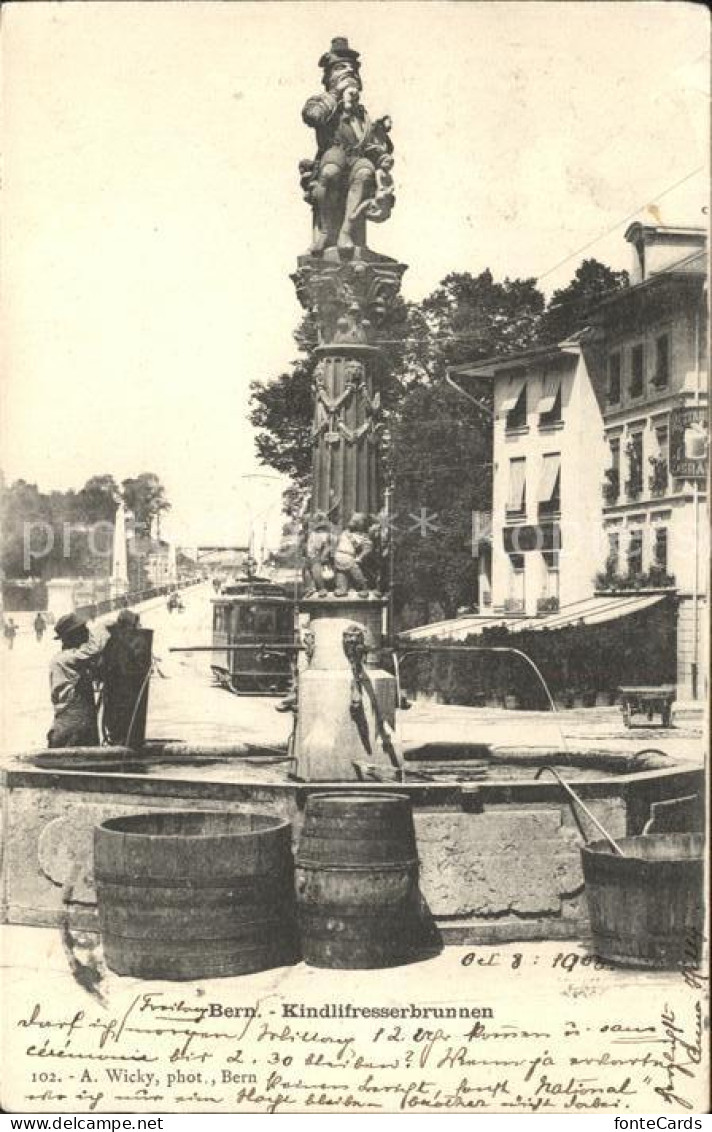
(659, 467)
(517, 499)
(661, 377)
(614, 552)
(637, 370)
(516, 601)
(515, 406)
(634, 451)
(660, 549)
(614, 378)
(635, 553)
(550, 403)
(549, 493)
(612, 482)
(549, 600)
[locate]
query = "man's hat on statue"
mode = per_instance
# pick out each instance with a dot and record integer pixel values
(339, 52)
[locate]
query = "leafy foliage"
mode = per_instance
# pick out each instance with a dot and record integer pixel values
(571, 306)
(437, 444)
(67, 533)
(145, 496)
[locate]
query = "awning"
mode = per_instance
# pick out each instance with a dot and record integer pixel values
(591, 611)
(552, 385)
(550, 469)
(523, 537)
(512, 393)
(517, 484)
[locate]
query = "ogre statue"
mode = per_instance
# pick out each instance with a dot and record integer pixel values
(349, 180)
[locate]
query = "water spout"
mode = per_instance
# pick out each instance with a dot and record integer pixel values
(485, 648)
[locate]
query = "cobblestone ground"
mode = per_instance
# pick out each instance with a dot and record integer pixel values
(185, 705)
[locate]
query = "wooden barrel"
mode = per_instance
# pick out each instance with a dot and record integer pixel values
(646, 908)
(357, 881)
(194, 894)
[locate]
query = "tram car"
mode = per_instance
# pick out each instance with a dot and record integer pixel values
(257, 614)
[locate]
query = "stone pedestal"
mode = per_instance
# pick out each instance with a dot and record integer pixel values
(118, 587)
(345, 721)
(366, 612)
(60, 596)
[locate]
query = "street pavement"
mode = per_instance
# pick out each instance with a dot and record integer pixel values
(185, 705)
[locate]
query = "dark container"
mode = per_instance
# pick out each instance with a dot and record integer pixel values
(646, 908)
(193, 894)
(126, 668)
(357, 881)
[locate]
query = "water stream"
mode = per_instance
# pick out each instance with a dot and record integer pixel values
(482, 648)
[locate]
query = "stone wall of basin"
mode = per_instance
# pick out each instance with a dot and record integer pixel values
(499, 861)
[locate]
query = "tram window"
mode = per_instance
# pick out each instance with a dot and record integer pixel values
(285, 622)
(264, 622)
(247, 620)
(219, 620)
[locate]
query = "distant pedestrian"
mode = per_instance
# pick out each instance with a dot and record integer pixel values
(9, 633)
(40, 626)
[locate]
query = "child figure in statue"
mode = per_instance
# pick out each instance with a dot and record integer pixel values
(318, 555)
(353, 550)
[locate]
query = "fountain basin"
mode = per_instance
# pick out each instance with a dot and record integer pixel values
(500, 856)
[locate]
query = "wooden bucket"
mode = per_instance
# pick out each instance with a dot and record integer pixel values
(646, 908)
(195, 894)
(357, 881)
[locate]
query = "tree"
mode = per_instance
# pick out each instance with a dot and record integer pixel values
(570, 307)
(145, 496)
(437, 445)
(59, 533)
(442, 465)
(97, 499)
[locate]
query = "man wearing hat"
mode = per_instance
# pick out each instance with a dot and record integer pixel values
(350, 148)
(71, 680)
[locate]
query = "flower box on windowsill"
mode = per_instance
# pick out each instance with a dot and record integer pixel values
(611, 486)
(652, 581)
(633, 489)
(516, 430)
(659, 478)
(513, 605)
(547, 605)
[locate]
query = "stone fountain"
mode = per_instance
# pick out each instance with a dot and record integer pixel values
(346, 703)
(472, 836)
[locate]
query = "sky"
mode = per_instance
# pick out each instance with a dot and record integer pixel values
(152, 213)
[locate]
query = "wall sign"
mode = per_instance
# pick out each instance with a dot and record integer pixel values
(689, 442)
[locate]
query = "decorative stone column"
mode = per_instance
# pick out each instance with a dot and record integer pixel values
(119, 582)
(346, 703)
(349, 298)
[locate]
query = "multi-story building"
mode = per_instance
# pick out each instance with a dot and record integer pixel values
(654, 336)
(599, 502)
(548, 458)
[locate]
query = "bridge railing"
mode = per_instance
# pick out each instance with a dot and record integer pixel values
(134, 597)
